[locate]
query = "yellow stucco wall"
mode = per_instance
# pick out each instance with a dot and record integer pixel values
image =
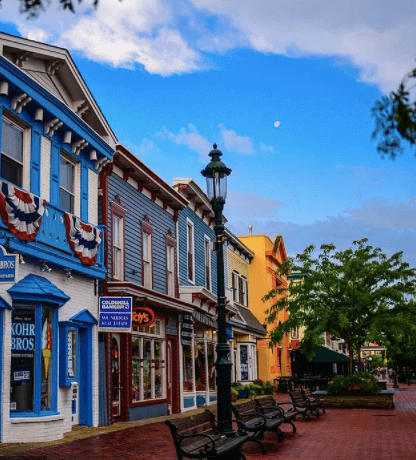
(272, 362)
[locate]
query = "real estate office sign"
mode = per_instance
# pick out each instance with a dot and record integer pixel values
(115, 314)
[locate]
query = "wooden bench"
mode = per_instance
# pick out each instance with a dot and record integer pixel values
(314, 399)
(251, 420)
(273, 409)
(303, 404)
(198, 437)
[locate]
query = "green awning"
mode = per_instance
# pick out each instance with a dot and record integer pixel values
(326, 355)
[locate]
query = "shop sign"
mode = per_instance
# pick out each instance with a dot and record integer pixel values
(8, 265)
(143, 316)
(295, 344)
(229, 332)
(115, 314)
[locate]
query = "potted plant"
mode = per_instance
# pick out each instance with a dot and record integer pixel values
(261, 384)
(234, 394)
(268, 388)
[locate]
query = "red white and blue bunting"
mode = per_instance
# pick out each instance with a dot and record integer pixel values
(84, 239)
(21, 211)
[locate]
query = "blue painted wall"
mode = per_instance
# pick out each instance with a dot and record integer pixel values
(200, 230)
(138, 205)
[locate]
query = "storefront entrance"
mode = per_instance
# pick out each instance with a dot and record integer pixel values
(115, 376)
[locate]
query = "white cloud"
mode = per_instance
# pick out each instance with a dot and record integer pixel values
(266, 148)
(235, 142)
(168, 37)
(277, 124)
(144, 149)
(190, 137)
(249, 205)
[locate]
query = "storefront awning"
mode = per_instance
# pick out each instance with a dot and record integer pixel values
(326, 355)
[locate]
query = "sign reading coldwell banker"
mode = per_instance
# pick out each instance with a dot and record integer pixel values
(115, 314)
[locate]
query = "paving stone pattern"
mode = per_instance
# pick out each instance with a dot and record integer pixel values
(340, 434)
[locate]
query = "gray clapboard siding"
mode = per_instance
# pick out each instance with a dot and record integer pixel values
(137, 206)
(200, 230)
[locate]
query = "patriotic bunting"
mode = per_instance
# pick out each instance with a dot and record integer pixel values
(21, 211)
(84, 239)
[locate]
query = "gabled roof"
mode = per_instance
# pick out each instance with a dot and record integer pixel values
(37, 288)
(235, 242)
(189, 189)
(84, 317)
(135, 168)
(54, 69)
(252, 322)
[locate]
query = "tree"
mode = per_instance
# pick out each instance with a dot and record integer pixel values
(395, 117)
(34, 7)
(344, 293)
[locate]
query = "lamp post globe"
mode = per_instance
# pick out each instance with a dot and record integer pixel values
(216, 173)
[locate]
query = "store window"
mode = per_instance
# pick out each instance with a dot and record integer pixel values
(243, 362)
(204, 366)
(148, 364)
(188, 374)
(211, 366)
(33, 338)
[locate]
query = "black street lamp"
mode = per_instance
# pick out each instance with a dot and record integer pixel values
(216, 174)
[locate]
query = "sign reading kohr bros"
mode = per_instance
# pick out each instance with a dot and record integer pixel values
(115, 314)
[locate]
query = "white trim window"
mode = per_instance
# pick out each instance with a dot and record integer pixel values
(239, 287)
(147, 260)
(170, 269)
(207, 250)
(242, 291)
(295, 333)
(118, 247)
(66, 185)
(190, 247)
(15, 152)
(235, 286)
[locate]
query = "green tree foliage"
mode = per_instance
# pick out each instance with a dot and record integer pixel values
(376, 361)
(395, 119)
(34, 7)
(344, 293)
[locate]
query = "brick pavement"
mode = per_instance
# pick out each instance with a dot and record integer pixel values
(340, 434)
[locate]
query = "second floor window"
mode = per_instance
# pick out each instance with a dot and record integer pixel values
(66, 185)
(12, 153)
(147, 260)
(118, 245)
(190, 252)
(235, 286)
(207, 242)
(170, 267)
(295, 333)
(239, 286)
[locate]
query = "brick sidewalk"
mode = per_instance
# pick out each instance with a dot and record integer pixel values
(340, 434)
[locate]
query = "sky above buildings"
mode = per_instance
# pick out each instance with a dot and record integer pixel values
(285, 88)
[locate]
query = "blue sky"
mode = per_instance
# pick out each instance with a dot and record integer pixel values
(174, 77)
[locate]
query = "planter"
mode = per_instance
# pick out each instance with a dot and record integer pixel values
(243, 394)
(383, 400)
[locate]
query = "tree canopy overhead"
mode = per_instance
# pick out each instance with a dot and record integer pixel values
(34, 7)
(344, 293)
(395, 118)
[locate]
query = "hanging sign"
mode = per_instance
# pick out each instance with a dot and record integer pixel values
(115, 314)
(143, 316)
(8, 265)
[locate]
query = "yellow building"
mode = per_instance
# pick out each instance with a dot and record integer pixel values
(272, 362)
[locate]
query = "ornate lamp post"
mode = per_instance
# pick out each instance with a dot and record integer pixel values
(216, 174)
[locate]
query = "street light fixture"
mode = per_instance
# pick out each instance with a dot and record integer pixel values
(216, 174)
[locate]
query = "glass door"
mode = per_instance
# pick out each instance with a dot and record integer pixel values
(115, 376)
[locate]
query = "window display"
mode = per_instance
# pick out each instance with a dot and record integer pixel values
(46, 368)
(22, 372)
(148, 365)
(243, 362)
(188, 377)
